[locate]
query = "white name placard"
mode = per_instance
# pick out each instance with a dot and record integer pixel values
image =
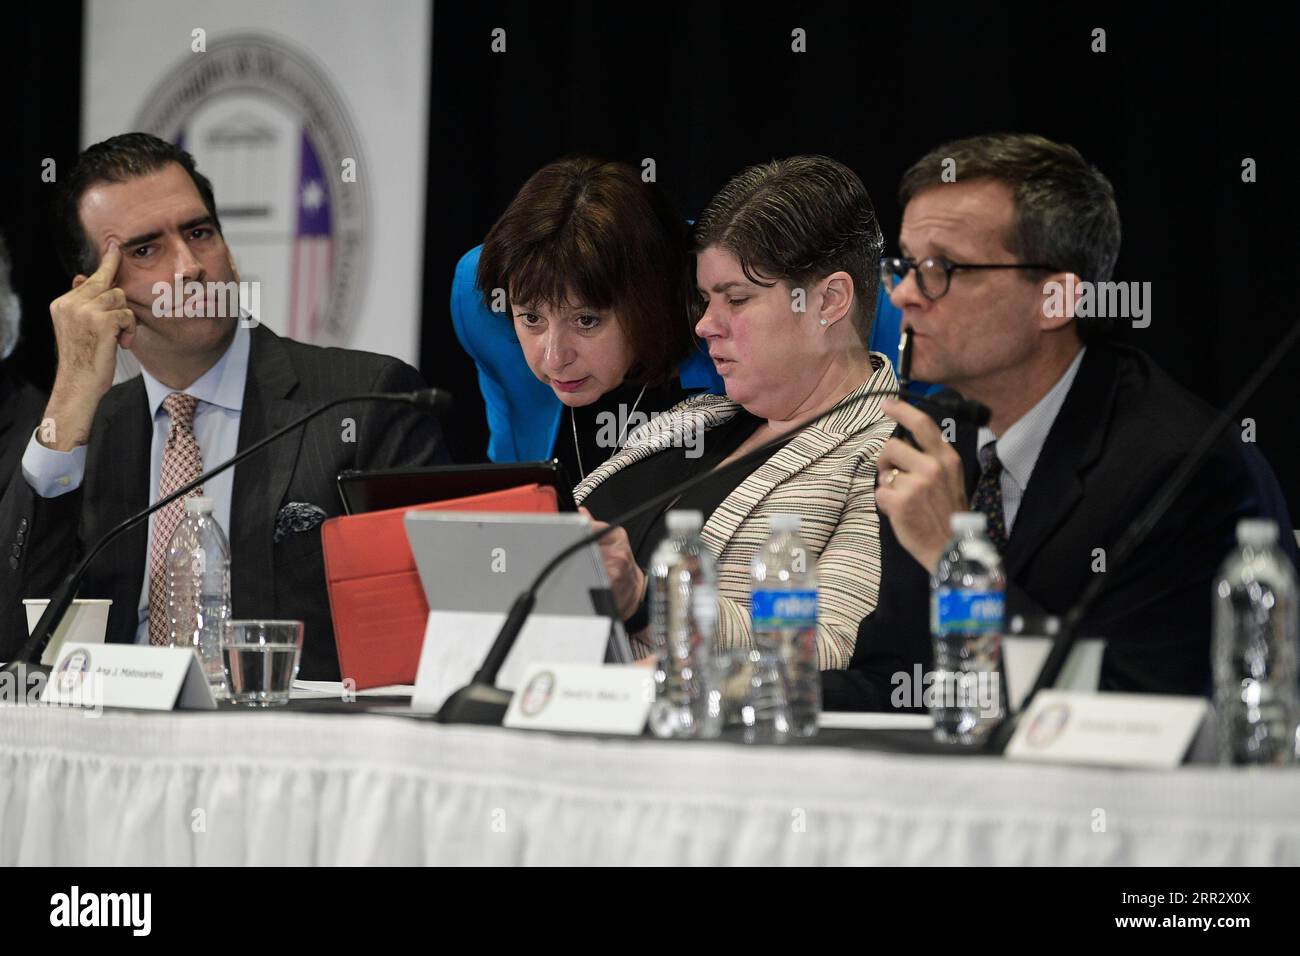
(586, 698)
(1111, 730)
(128, 675)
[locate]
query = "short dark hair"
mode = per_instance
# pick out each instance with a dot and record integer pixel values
(115, 160)
(798, 220)
(592, 228)
(1065, 211)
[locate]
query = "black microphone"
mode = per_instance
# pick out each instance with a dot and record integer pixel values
(482, 702)
(951, 404)
(1135, 534)
(432, 399)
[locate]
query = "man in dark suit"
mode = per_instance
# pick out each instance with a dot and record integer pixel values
(136, 213)
(20, 411)
(20, 401)
(1084, 432)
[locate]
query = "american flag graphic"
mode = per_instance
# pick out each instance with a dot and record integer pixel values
(312, 261)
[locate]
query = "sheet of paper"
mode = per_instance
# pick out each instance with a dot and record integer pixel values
(455, 643)
(333, 690)
(1024, 656)
(834, 720)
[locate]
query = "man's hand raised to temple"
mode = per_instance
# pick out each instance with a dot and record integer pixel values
(90, 321)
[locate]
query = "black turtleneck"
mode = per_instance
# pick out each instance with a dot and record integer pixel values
(601, 423)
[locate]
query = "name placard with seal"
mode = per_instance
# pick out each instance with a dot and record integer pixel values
(1108, 729)
(583, 698)
(134, 676)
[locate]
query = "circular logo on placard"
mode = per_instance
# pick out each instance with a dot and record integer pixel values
(266, 125)
(1047, 726)
(72, 670)
(537, 694)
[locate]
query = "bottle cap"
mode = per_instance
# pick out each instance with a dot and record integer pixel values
(199, 505)
(785, 522)
(1259, 532)
(683, 520)
(968, 522)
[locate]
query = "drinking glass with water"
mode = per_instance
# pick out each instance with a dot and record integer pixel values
(261, 660)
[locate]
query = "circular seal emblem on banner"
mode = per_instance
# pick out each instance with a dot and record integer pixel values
(266, 125)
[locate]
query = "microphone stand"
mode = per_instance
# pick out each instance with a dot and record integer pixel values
(482, 702)
(432, 399)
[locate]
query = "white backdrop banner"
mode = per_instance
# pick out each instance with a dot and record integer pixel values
(310, 118)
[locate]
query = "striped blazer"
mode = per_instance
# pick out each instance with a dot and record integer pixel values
(826, 474)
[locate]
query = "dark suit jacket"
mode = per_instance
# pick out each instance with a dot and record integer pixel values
(283, 580)
(21, 407)
(1123, 429)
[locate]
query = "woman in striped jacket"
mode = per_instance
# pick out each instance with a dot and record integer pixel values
(787, 271)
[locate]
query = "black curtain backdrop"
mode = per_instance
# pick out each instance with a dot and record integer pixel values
(1168, 111)
(41, 99)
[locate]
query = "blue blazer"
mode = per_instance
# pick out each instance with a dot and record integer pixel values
(523, 413)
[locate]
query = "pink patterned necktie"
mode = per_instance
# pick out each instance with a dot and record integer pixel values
(182, 462)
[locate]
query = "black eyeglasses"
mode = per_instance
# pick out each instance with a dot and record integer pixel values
(934, 274)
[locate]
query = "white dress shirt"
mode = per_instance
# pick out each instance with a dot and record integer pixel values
(1021, 444)
(220, 394)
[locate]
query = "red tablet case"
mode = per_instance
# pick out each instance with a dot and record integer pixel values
(376, 598)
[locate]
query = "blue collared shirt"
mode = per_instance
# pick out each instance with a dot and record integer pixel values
(220, 391)
(1020, 445)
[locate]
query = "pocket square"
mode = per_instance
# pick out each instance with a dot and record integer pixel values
(297, 517)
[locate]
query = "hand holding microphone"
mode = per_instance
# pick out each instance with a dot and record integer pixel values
(919, 485)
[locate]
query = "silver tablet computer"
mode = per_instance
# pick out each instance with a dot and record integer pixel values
(476, 561)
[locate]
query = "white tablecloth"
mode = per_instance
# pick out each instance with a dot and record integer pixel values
(298, 788)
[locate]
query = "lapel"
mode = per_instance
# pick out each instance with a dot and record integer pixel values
(8, 397)
(808, 446)
(124, 434)
(262, 481)
(1073, 444)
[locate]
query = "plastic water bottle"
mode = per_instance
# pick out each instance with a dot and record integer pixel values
(783, 615)
(684, 621)
(198, 587)
(1255, 635)
(967, 609)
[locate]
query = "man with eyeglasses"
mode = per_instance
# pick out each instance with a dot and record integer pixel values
(1083, 430)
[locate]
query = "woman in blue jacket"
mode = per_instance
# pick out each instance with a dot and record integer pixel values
(578, 311)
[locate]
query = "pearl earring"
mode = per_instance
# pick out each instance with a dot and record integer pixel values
(824, 322)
